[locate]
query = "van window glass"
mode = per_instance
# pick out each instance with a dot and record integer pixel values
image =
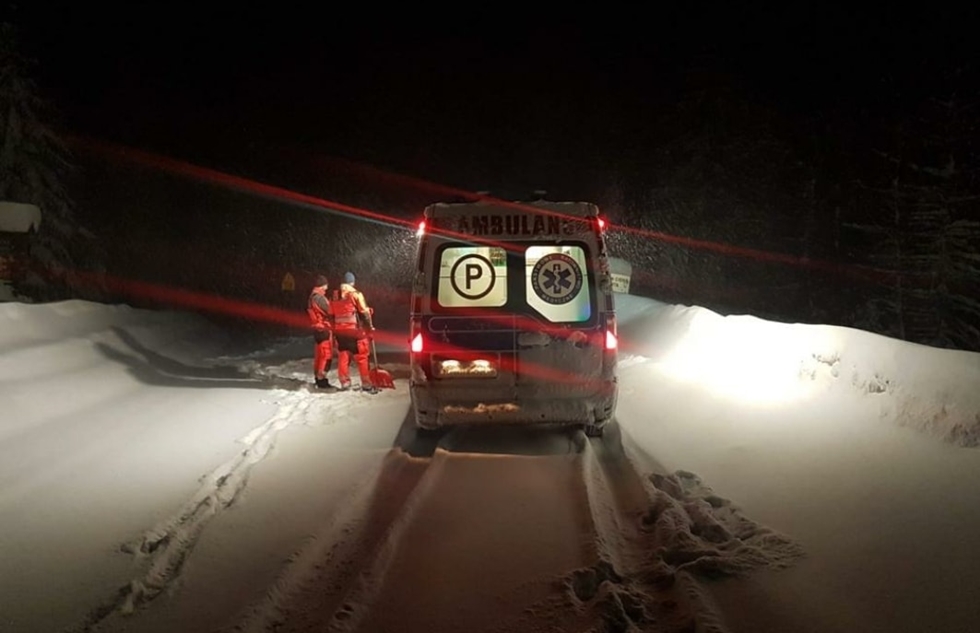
(557, 283)
(472, 276)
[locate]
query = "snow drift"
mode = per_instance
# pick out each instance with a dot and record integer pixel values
(763, 362)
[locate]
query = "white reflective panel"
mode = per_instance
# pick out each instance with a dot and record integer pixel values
(557, 283)
(472, 276)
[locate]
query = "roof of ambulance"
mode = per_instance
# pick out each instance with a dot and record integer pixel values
(503, 207)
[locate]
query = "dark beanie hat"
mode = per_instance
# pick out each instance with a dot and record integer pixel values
(349, 278)
(320, 280)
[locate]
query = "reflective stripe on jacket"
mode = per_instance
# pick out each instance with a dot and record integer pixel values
(349, 308)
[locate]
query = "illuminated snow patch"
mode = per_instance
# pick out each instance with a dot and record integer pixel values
(627, 361)
(746, 358)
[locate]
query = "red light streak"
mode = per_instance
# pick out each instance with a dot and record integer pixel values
(262, 189)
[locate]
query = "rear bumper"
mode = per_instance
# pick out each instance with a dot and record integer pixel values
(441, 404)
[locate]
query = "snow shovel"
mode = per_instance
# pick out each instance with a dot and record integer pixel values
(379, 377)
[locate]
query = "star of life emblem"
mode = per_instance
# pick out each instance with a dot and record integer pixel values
(556, 278)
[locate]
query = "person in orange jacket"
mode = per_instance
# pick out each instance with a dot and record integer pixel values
(318, 309)
(353, 326)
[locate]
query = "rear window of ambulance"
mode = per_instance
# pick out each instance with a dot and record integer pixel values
(552, 281)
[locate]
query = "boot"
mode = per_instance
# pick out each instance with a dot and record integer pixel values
(324, 383)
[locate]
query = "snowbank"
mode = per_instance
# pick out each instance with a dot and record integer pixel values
(743, 357)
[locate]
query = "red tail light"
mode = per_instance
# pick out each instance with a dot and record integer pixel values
(421, 230)
(415, 335)
(602, 224)
(612, 339)
(611, 342)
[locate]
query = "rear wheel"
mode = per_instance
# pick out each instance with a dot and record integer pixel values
(422, 428)
(421, 431)
(596, 428)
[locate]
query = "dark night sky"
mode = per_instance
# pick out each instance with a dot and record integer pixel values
(422, 89)
(507, 100)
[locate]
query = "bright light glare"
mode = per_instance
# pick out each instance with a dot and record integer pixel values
(602, 224)
(417, 343)
(473, 368)
(745, 358)
(421, 230)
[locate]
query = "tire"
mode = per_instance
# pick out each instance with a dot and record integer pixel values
(593, 430)
(429, 434)
(597, 427)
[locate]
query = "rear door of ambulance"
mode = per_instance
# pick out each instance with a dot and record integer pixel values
(514, 302)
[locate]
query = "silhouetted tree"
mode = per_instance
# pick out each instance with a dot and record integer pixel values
(723, 174)
(926, 238)
(34, 166)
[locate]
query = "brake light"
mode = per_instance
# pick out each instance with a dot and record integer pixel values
(602, 224)
(612, 339)
(421, 230)
(415, 341)
(611, 342)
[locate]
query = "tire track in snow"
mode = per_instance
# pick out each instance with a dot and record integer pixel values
(342, 581)
(623, 590)
(631, 587)
(164, 548)
(335, 582)
(659, 538)
(329, 584)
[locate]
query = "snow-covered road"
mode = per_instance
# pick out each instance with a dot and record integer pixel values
(168, 480)
(482, 529)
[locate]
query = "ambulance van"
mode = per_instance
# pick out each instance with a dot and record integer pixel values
(512, 317)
